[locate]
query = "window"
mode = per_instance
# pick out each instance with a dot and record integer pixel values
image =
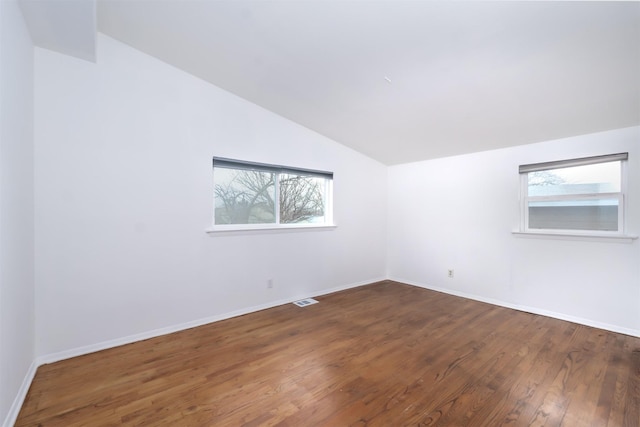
(580, 196)
(253, 195)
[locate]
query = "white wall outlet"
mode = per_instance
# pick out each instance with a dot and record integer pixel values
(270, 284)
(450, 273)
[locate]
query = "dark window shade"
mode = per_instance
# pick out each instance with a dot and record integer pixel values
(219, 162)
(535, 167)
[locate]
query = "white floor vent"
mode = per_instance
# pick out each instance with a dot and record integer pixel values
(305, 302)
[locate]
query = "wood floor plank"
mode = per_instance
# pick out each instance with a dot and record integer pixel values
(386, 354)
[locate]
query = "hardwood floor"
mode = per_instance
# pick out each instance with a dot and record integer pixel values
(386, 354)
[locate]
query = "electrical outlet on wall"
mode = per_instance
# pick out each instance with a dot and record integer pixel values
(450, 273)
(270, 284)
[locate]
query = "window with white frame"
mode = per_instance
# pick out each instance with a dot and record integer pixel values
(254, 195)
(583, 196)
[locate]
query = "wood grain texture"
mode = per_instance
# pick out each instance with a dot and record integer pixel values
(385, 354)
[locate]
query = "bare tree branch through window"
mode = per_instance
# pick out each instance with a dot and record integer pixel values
(245, 196)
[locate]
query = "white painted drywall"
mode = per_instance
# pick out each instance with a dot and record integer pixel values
(458, 213)
(16, 206)
(123, 152)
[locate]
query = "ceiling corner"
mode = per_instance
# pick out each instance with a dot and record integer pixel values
(68, 27)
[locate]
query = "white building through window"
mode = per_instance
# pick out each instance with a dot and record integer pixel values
(584, 196)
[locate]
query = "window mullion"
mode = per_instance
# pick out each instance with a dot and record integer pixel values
(328, 195)
(277, 197)
(621, 224)
(524, 202)
(572, 197)
(622, 203)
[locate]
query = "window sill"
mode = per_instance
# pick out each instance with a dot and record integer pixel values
(238, 230)
(617, 238)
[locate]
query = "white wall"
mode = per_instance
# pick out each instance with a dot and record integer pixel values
(16, 207)
(123, 152)
(458, 213)
(123, 197)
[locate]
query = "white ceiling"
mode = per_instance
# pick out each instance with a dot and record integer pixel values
(464, 76)
(66, 26)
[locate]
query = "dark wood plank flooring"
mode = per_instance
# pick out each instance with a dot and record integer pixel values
(386, 354)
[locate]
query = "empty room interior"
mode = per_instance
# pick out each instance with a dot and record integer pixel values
(319, 213)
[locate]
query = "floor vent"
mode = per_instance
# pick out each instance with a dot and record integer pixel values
(305, 302)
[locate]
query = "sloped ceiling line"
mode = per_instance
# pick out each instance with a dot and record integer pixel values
(399, 81)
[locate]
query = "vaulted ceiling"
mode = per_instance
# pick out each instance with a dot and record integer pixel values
(401, 81)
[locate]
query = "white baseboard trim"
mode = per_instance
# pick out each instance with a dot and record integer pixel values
(79, 351)
(527, 309)
(11, 417)
(92, 348)
(14, 410)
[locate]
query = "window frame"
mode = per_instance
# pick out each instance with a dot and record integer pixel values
(277, 170)
(620, 196)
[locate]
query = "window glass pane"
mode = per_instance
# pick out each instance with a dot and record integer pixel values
(588, 179)
(600, 215)
(302, 199)
(244, 196)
